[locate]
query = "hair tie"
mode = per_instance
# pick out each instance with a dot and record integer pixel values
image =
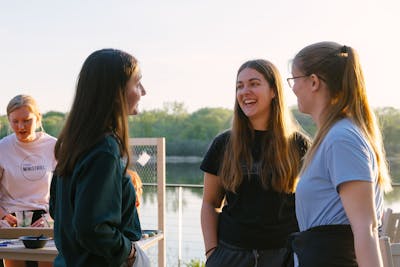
(209, 250)
(343, 51)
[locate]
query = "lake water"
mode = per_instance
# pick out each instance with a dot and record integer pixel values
(192, 240)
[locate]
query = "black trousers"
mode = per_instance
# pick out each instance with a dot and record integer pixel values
(327, 245)
(226, 255)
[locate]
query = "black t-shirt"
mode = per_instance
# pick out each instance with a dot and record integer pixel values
(254, 217)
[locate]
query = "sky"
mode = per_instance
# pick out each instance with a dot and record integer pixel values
(189, 50)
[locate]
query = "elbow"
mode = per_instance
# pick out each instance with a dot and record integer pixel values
(84, 232)
(374, 227)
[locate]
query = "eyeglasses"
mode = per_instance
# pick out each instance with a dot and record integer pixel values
(290, 81)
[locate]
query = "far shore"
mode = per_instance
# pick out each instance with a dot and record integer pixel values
(183, 159)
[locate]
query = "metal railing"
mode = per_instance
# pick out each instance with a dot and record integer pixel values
(149, 154)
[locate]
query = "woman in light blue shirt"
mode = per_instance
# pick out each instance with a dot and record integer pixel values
(339, 199)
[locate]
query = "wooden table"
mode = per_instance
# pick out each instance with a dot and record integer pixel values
(17, 250)
(15, 232)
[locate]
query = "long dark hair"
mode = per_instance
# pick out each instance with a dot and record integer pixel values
(99, 107)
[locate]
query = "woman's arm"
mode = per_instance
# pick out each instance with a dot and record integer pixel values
(52, 199)
(212, 200)
(4, 215)
(97, 212)
(358, 199)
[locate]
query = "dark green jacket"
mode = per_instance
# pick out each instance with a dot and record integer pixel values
(94, 211)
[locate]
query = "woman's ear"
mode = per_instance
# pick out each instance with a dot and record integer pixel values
(315, 82)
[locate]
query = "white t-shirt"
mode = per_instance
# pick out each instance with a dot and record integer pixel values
(27, 172)
(344, 155)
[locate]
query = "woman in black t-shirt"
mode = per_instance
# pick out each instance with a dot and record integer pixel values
(251, 171)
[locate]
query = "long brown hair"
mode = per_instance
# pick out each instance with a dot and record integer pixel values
(279, 155)
(99, 107)
(340, 68)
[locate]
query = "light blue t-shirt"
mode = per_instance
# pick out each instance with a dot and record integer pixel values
(344, 155)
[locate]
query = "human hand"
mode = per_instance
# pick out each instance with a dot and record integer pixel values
(40, 222)
(132, 255)
(209, 252)
(12, 220)
(130, 262)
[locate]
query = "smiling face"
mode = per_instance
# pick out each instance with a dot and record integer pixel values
(254, 95)
(24, 123)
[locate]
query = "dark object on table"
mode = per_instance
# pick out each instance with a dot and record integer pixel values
(34, 241)
(149, 233)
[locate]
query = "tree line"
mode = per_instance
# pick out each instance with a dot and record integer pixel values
(189, 134)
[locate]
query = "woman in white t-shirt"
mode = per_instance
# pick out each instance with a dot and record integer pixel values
(26, 165)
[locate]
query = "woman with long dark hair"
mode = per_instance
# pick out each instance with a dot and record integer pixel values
(92, 197)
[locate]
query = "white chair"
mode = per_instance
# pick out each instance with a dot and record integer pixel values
(395, 250)
(391, 225)
(384, 244)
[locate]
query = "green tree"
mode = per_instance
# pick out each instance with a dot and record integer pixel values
(206, 123)
(305, 121)
(195, 263)
(4, 126)
(389, 119)
(189, 134)
(166, 122)
(53, 122)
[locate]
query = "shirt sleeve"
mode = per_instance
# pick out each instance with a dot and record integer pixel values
(214, 156)
(349, 160)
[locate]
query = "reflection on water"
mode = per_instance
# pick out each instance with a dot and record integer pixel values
(184, 173)
(192, 241)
